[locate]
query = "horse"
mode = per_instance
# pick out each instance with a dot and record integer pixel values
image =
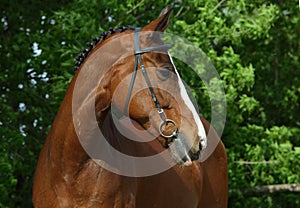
(137, 108)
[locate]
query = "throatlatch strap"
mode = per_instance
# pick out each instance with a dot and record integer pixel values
(131, 86)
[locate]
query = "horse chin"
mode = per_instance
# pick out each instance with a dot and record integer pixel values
(180, 153)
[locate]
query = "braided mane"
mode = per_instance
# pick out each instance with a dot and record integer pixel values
(85, 52)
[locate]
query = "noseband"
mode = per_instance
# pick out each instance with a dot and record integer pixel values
(138, 52)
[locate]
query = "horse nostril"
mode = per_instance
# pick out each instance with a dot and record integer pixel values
(194, 156)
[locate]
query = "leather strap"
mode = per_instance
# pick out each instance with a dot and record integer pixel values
(138, 59)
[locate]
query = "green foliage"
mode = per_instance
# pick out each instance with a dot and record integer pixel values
(254, 45)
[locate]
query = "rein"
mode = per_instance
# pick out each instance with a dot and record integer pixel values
(138, 52)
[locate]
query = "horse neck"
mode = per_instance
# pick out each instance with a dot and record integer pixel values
(63, 144)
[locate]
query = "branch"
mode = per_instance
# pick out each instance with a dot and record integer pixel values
(134, 8)
(269, 189)
(256, 163)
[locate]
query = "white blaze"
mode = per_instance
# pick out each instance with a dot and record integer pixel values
(189, 104)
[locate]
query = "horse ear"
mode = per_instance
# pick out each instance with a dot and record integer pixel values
(161, 23)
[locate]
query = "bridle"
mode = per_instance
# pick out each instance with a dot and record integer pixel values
(138, 52)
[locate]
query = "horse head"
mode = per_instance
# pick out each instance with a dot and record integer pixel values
(146, 86)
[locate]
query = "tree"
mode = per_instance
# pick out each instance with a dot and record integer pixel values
(253, 45)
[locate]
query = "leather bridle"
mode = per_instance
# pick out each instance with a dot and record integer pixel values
(138, 52)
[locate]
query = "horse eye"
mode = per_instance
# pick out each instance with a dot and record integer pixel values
(163, 73)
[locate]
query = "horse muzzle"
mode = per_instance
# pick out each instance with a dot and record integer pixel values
(182, 153)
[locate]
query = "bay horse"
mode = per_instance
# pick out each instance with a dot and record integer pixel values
(139, 92)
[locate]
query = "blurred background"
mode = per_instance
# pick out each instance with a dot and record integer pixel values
(254, 46)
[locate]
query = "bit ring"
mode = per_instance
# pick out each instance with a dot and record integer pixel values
(164, 123)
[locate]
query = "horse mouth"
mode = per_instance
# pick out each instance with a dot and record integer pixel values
(186, 161)
(181, 153)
